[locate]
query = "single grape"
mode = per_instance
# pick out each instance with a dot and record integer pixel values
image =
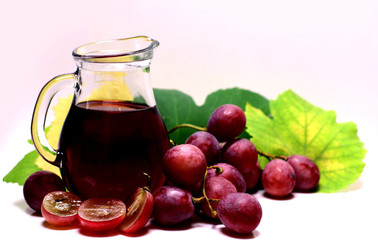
(172, 205)
(253, 176)
(240, 153)
(208, 144)
(141, 205)
(60, 208)
(226, 122)
(101, 214)
(240, 212)
(278, 178)
(184, 165)
(231, 173)
(306, 172)
(38, 184)
(216, 188)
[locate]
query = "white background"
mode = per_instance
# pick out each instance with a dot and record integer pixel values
(326, 51)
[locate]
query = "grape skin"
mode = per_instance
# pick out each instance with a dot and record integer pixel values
(38, 184)
(184, 165)
(230, 173)
(240, 153)
(306, 172)
(140, 207)
(208, 144)
(278, 178)
(252, 177)
(240, 212)
(216, 188)
(226, 122)
(172, 205)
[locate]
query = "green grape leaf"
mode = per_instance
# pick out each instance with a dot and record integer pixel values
(23, 169)
(298, 127)
(177, 108)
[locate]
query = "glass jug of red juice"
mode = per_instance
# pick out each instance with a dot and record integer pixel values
(113, 133)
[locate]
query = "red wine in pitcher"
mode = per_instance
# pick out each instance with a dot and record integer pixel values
(106, 147)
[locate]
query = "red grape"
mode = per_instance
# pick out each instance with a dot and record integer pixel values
(226, 122)
(230, 173)
(240, 212)
(60, 208)
(208, 144)
(172, 205)
(38, 184)
(184, 165)
(240, 153)
(101, 214)
(306, 172)
(278, 178)
(215, 188)
(141, 205)
(252, 177)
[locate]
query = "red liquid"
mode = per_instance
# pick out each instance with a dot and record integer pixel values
(105, 147)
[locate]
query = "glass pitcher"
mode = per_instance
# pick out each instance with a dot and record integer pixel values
(113, 133)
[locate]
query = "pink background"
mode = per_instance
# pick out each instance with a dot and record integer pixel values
(326, 51)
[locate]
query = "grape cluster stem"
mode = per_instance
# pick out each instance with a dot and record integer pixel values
(270, 156)
(188, 126)
(204, 197)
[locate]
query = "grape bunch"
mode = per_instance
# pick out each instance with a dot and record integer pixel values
(213, 174)
(214, 169)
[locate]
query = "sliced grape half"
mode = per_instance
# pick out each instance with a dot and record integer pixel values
(60, 208)
(141, 205)
(101, 214)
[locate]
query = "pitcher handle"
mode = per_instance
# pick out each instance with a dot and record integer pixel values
(41, 107)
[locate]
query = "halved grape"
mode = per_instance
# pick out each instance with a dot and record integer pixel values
(38, 184)
(240, 212)
(216, 188)
(240, 153)
(208, 144)
(172, 205)
(101, 214)
(184, 165)
(141, 205)
(226, 122)
(306, 172)
(278, 178)
(231, 173)
(60, 208)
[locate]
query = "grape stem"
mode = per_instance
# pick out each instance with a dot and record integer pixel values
(270, 156)
(213, 212)
(188, 126)
(148, 185)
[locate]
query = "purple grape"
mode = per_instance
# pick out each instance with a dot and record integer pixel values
(252, 177)
(240, 212)
(230, 173)
(226, 122)
(184, 165)
(172, 205)
(278, 178)
(240, 153)
(208, 144)
(306, 172)
(38, 185)
(215, 188)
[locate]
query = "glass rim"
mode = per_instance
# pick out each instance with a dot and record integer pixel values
(130, 49)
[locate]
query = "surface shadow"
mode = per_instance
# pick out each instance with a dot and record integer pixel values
(74, 225)
(23, 206)
(233, 234)
(285, 198)
(108, 233)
